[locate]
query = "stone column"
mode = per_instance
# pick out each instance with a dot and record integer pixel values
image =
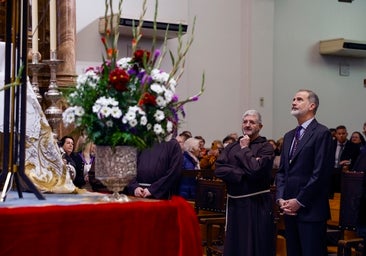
(66, 33)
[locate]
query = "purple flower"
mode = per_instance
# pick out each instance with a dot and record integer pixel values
(156, 55)
(175, 98)
(194, 98)
(141, 75)
(132, 72)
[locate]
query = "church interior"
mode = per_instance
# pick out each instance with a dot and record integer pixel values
(53, 214)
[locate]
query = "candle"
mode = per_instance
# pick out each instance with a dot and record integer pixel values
(52, 25)
(34, 26)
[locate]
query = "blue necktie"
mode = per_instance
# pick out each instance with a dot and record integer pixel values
(296, 141)
(341, 147)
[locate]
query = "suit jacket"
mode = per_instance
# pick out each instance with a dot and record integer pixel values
(360, 164)
(307, 177)
(350, 152)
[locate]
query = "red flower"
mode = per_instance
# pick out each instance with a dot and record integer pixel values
(111, 52)
(119, 78)
(147, 99)
(139, 55)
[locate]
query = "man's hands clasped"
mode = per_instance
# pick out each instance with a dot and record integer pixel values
(290, 206)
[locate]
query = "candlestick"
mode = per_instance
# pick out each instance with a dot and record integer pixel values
(53, 112)
(35, 67)
(34, 26)
(53, 25)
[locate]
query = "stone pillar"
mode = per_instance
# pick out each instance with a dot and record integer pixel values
(66, 33)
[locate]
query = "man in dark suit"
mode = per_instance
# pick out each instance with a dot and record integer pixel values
(345, 155)
(303, 179)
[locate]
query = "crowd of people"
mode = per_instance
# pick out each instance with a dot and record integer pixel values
(308, 162)
(193, 155)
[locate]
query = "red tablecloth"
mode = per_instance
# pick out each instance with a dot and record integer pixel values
(136, 228)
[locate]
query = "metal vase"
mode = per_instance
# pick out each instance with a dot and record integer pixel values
(115, 168)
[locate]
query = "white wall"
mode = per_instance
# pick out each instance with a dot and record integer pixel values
(232, 46)
(299, 25)
(253, 49)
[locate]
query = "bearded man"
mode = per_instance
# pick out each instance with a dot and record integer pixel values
(245, 166)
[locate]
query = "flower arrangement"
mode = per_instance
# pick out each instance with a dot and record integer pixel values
(129, 101)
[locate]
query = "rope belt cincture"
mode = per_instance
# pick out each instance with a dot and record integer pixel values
(146, 185)
(241, 196)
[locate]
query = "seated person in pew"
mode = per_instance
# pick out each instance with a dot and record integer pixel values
(187, 186)
(158, 171)
(208, 161)
(84, 160)
(67, 152)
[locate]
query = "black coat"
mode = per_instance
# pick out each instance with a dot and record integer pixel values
(161, 167)
(360, 165)
(350, 152)
(250, 226)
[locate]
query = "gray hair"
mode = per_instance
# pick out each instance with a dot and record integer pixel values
(190, 144)
(313, 98)
(253, 112)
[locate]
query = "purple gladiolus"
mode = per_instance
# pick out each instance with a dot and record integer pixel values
(194, 98)
(132, 72)
(175, 98)
(146, 79)
(156, 55)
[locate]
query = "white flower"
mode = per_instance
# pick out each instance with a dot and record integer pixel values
(116, 112)
(105, 107)
(143, 120)
(68, 116)
(90, 78)
(104, 112)
(157, 88)
(96, 108)
(103, 101)
(168, 94)
(132, 122)
(109, 123)
(73, 95)
(112, 102)
(159, 116)
(79, 111)
(172, 84)
(158, 129)
(160, 101)
(131, 114)
(124, 120)
(159, 76)
(81, 80)
(124, 63)
(137, 109)
(69, 119)
(169, 126)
